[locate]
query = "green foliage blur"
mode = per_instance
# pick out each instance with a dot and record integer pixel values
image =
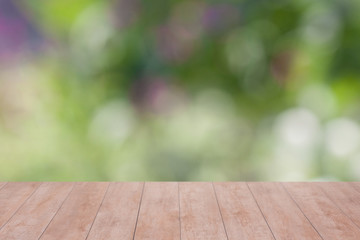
(127, 90)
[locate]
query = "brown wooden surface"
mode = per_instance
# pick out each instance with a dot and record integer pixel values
(199, 212)
(159, 212)
(41, 206)
(117, 217)
(242, 217)
(185, 210)
(2, 184)
(326, 217)
(76, 215)
(12, 197)
(345, 197)
(285, 219)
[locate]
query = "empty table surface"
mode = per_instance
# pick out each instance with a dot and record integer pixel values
(179, 210)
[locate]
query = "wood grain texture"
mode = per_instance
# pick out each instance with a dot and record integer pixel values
(159, 212)
(2, 184)
(282, 214)
(76, 215)
(185, 210)
(33, 217)
(355, 185)
(242, 217)
(199, 212)
(345, 197)
(326, 217)
(116, 218)
(12, 196)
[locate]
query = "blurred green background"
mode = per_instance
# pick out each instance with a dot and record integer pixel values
(129, 90)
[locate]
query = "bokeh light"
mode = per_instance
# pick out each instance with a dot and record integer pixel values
(179, 90)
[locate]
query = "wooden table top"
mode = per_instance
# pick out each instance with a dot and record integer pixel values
(185, 210)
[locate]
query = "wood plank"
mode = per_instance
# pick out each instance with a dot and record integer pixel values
(281, 213)
(326, 217)
(159, 212)
(33, 217)
(355, 185)
(199, 212)
(241, 215)
(2, 184)
(229, 210)
(76, 215)
(12, 196)
(345, 197)
(116, 218)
